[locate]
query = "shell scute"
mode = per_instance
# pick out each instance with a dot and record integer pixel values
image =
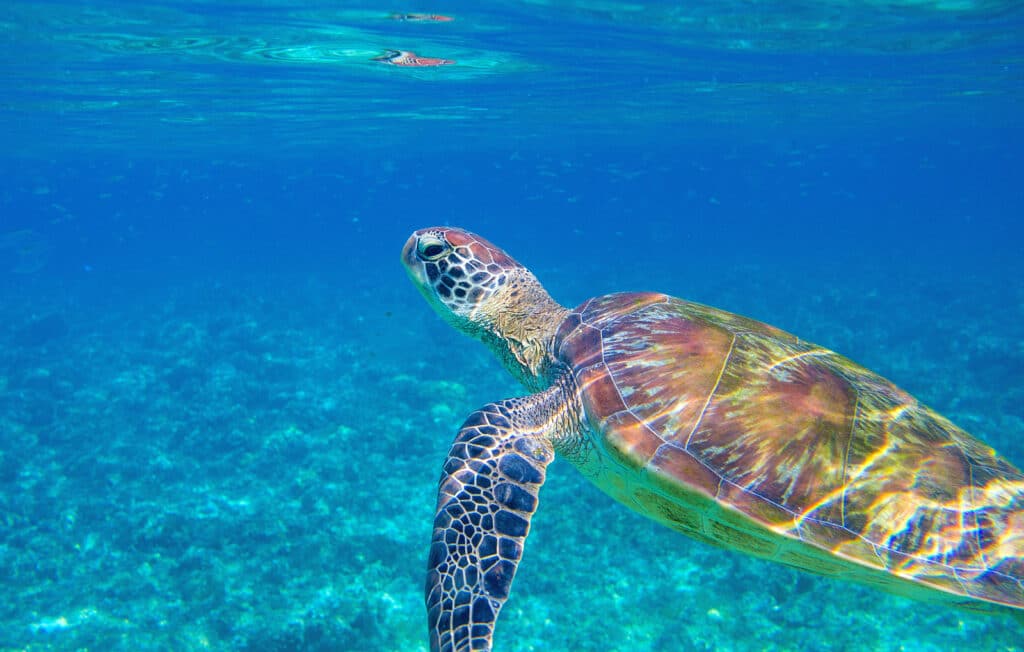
(580, 343)
(812, 560)
(664, 365)
(601, 399)
(764, 511)
(630, 440)
(670, 463)
(780, 425)
(788, 451)
(680, 516)
(1000, 580)
(838, 540)
(741, 538)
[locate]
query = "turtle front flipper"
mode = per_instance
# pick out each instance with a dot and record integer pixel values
(487, 495)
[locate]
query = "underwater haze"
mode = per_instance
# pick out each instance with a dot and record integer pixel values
(224, 408)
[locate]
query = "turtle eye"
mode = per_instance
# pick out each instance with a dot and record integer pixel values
(431, 247)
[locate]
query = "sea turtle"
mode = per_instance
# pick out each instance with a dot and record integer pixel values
(721, 427)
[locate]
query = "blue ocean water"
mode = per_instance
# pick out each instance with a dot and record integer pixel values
(224, 409)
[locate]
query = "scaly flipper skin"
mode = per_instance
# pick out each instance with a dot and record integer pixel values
(487, 495)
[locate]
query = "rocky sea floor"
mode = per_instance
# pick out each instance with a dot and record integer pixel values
(250, 464)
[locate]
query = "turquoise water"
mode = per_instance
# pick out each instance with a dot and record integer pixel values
(224, 409)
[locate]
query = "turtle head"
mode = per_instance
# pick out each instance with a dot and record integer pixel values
(459, 273)
(484, 292)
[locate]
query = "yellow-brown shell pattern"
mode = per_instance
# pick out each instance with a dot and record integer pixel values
(740, 432)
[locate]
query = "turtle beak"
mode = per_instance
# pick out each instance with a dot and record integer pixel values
(418, 273)
(411, 261)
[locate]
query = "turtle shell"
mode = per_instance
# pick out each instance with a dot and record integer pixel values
(743, 436)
